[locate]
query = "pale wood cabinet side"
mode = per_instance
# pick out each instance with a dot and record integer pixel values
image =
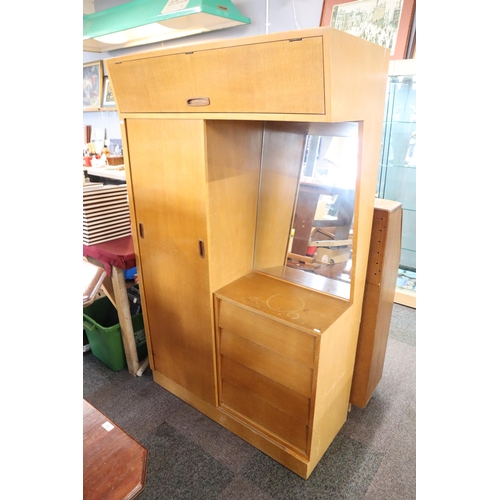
(378, 300)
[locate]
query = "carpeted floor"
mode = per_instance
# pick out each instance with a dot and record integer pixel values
(191, 457)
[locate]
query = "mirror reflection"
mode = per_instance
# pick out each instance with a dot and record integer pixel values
(318, 232)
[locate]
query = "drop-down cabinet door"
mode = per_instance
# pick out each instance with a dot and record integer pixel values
(227, 79)
(169, 188)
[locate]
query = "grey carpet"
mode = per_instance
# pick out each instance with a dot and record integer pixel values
(191, 457)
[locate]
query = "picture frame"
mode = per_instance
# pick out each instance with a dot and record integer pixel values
(108, 99)
(388, 24)
(92, 86)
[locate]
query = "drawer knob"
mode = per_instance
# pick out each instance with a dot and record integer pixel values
(198, 101)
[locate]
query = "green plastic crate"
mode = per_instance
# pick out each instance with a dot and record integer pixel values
(100, 321)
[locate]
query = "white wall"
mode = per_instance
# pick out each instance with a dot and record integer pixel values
(280, 14)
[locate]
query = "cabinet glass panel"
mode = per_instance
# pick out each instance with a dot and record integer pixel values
(397, 169)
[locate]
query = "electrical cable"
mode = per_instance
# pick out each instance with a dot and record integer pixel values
(267, 17)
(295, 16)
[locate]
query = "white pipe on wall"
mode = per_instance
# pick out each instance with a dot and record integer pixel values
(267, 17)
(295, 16)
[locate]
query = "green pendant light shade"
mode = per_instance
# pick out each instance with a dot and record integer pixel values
(140, 22)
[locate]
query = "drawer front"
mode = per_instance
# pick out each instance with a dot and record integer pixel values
(273, 77)
(281, 339)
(266, 374)
(261, 414)
(270, 364)
(283, 399)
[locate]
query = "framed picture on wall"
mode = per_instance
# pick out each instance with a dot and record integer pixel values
(386, 23)
(92, 86)
(108, 100)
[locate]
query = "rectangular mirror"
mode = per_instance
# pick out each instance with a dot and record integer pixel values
(305, 218)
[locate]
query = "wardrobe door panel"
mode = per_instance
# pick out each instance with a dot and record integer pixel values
(168, 175)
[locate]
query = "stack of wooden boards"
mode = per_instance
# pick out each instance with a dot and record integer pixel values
(106, 213)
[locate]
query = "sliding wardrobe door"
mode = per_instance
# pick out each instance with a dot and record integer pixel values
(168, 175)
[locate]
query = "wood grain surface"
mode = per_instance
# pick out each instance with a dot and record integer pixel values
(114, 464)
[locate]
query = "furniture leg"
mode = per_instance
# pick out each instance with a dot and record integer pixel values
(127, 330)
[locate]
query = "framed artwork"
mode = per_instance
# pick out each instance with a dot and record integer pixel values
(108, 100)
(386, 23)
(92, 86)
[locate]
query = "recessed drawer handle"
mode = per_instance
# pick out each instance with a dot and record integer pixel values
(198, 101)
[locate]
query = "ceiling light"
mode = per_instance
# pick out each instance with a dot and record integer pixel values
(140, 22)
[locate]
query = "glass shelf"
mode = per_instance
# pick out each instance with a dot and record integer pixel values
(398, 169)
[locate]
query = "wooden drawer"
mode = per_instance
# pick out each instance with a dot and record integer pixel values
(266, 416)
(272, 365)
(277, 395)
(266, 373)
(271, 335)
(284, 76)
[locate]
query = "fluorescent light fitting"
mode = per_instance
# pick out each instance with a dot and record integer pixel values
(140, 22)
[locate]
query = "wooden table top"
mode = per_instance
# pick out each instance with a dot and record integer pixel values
(114, 464)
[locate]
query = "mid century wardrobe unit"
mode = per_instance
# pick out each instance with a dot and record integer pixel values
(229, 330)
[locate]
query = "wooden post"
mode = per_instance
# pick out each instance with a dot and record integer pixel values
(127, 330)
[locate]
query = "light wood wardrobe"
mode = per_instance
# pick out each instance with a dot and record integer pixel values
(263, 354)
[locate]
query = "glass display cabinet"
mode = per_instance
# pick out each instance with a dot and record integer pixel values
(398, 167)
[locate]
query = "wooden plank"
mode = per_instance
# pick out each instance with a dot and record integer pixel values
(114, 221)
(330, 243)
(105, 204)
(383, 263)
